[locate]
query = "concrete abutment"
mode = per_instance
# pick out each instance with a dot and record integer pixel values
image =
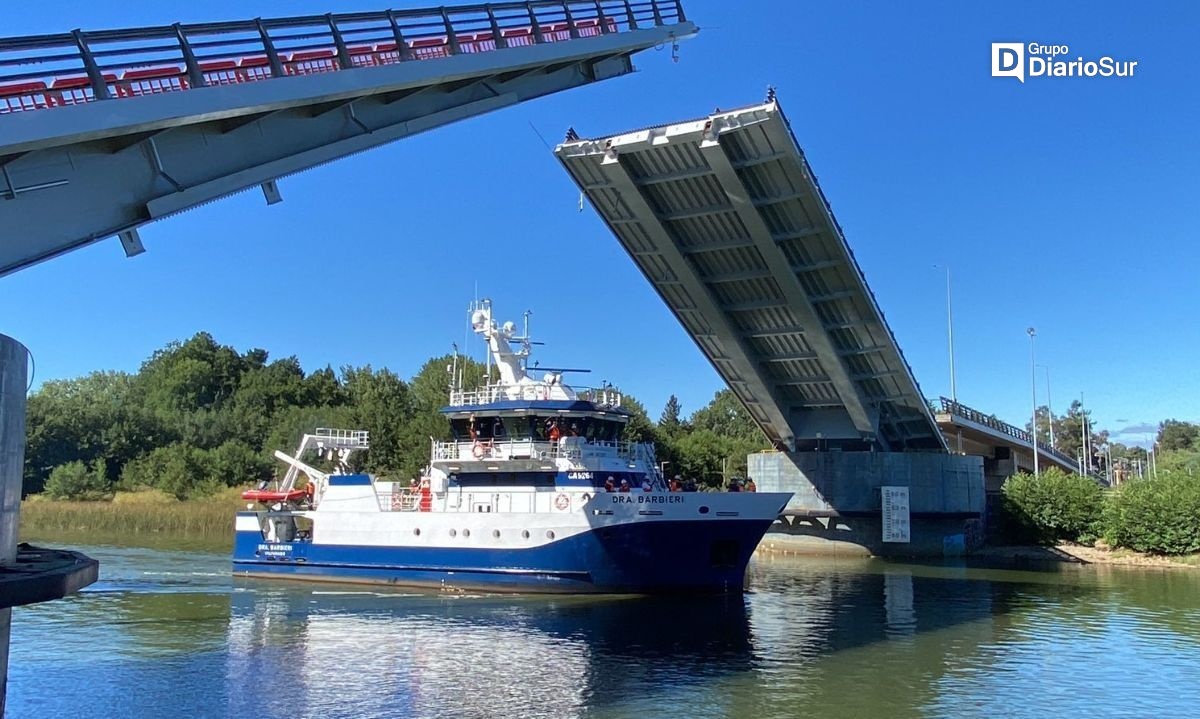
(836, 506)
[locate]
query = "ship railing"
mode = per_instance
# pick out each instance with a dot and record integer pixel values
(399, 500)
(600, 396)
(572, 448)
(46, 71)
(344, 438)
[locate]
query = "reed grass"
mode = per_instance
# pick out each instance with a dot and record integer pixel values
(133, 517)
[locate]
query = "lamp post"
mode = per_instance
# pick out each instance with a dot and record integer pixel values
(1033, 388)
(950, 344)
(1049, 406)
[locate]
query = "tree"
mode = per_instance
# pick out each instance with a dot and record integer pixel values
(1068, 430)
(381, 405)
(1176, 435)
(726, 415)
(669, 422)
(75, 480)
(97, 418)
(197, 373)
(639, 428)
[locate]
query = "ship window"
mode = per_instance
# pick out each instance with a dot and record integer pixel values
(576, 427)
(518, 427)
(459, 428)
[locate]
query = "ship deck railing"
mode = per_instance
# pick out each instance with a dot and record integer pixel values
(571, 448)
(600, 396)
(485, 499)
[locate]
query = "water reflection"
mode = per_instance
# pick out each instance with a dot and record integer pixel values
(168, 634)
(420, 655)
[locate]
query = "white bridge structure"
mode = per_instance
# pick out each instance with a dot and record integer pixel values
(103, 132)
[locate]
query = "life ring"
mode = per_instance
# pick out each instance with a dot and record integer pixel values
(562, 501)
(478, 451)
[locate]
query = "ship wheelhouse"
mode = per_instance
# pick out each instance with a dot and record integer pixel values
(524, 431)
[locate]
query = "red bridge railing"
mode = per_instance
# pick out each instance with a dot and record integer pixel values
(46, 71)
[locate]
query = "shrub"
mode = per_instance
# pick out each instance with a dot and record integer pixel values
(75, 480)
(187, 472)
(1052, 506)
(235, 464)
(1159, 515)
(181, 470)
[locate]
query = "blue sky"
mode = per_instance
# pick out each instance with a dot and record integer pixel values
(1065, 204)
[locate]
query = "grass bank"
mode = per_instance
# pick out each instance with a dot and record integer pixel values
(146, 518)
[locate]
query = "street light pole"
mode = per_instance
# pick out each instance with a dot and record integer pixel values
(1049, 407)
(950, 334)
(1085, 435)
(1033, 388)
(950, 345)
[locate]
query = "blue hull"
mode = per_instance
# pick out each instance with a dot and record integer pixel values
(639, 558)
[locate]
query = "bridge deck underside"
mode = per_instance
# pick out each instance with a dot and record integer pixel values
(727, 222)
(75, 174)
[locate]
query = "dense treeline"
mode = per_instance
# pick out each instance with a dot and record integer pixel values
(199, 416)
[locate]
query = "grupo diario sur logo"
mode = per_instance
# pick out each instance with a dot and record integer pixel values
(1034, 59)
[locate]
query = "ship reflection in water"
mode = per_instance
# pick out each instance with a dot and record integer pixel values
(472, 655)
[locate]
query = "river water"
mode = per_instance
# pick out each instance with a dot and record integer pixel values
(171, 634)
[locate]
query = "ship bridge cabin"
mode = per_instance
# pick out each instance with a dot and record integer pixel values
(515, 435)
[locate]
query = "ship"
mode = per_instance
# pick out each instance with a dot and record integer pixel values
(538, 489)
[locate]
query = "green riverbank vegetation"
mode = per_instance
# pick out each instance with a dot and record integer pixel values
(198, 418)
(1158, 513)
(146, 517)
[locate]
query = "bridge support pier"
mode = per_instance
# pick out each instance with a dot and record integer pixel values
(27, 574)
(836, 507)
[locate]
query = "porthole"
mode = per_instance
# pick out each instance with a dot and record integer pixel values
(549, 534)
(453, 532)
(703, 510)
(496, 533)
(525, 534)
(417, 531)
(466, 532)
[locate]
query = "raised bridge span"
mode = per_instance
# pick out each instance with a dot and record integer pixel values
(185, 114)
(725, 218)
